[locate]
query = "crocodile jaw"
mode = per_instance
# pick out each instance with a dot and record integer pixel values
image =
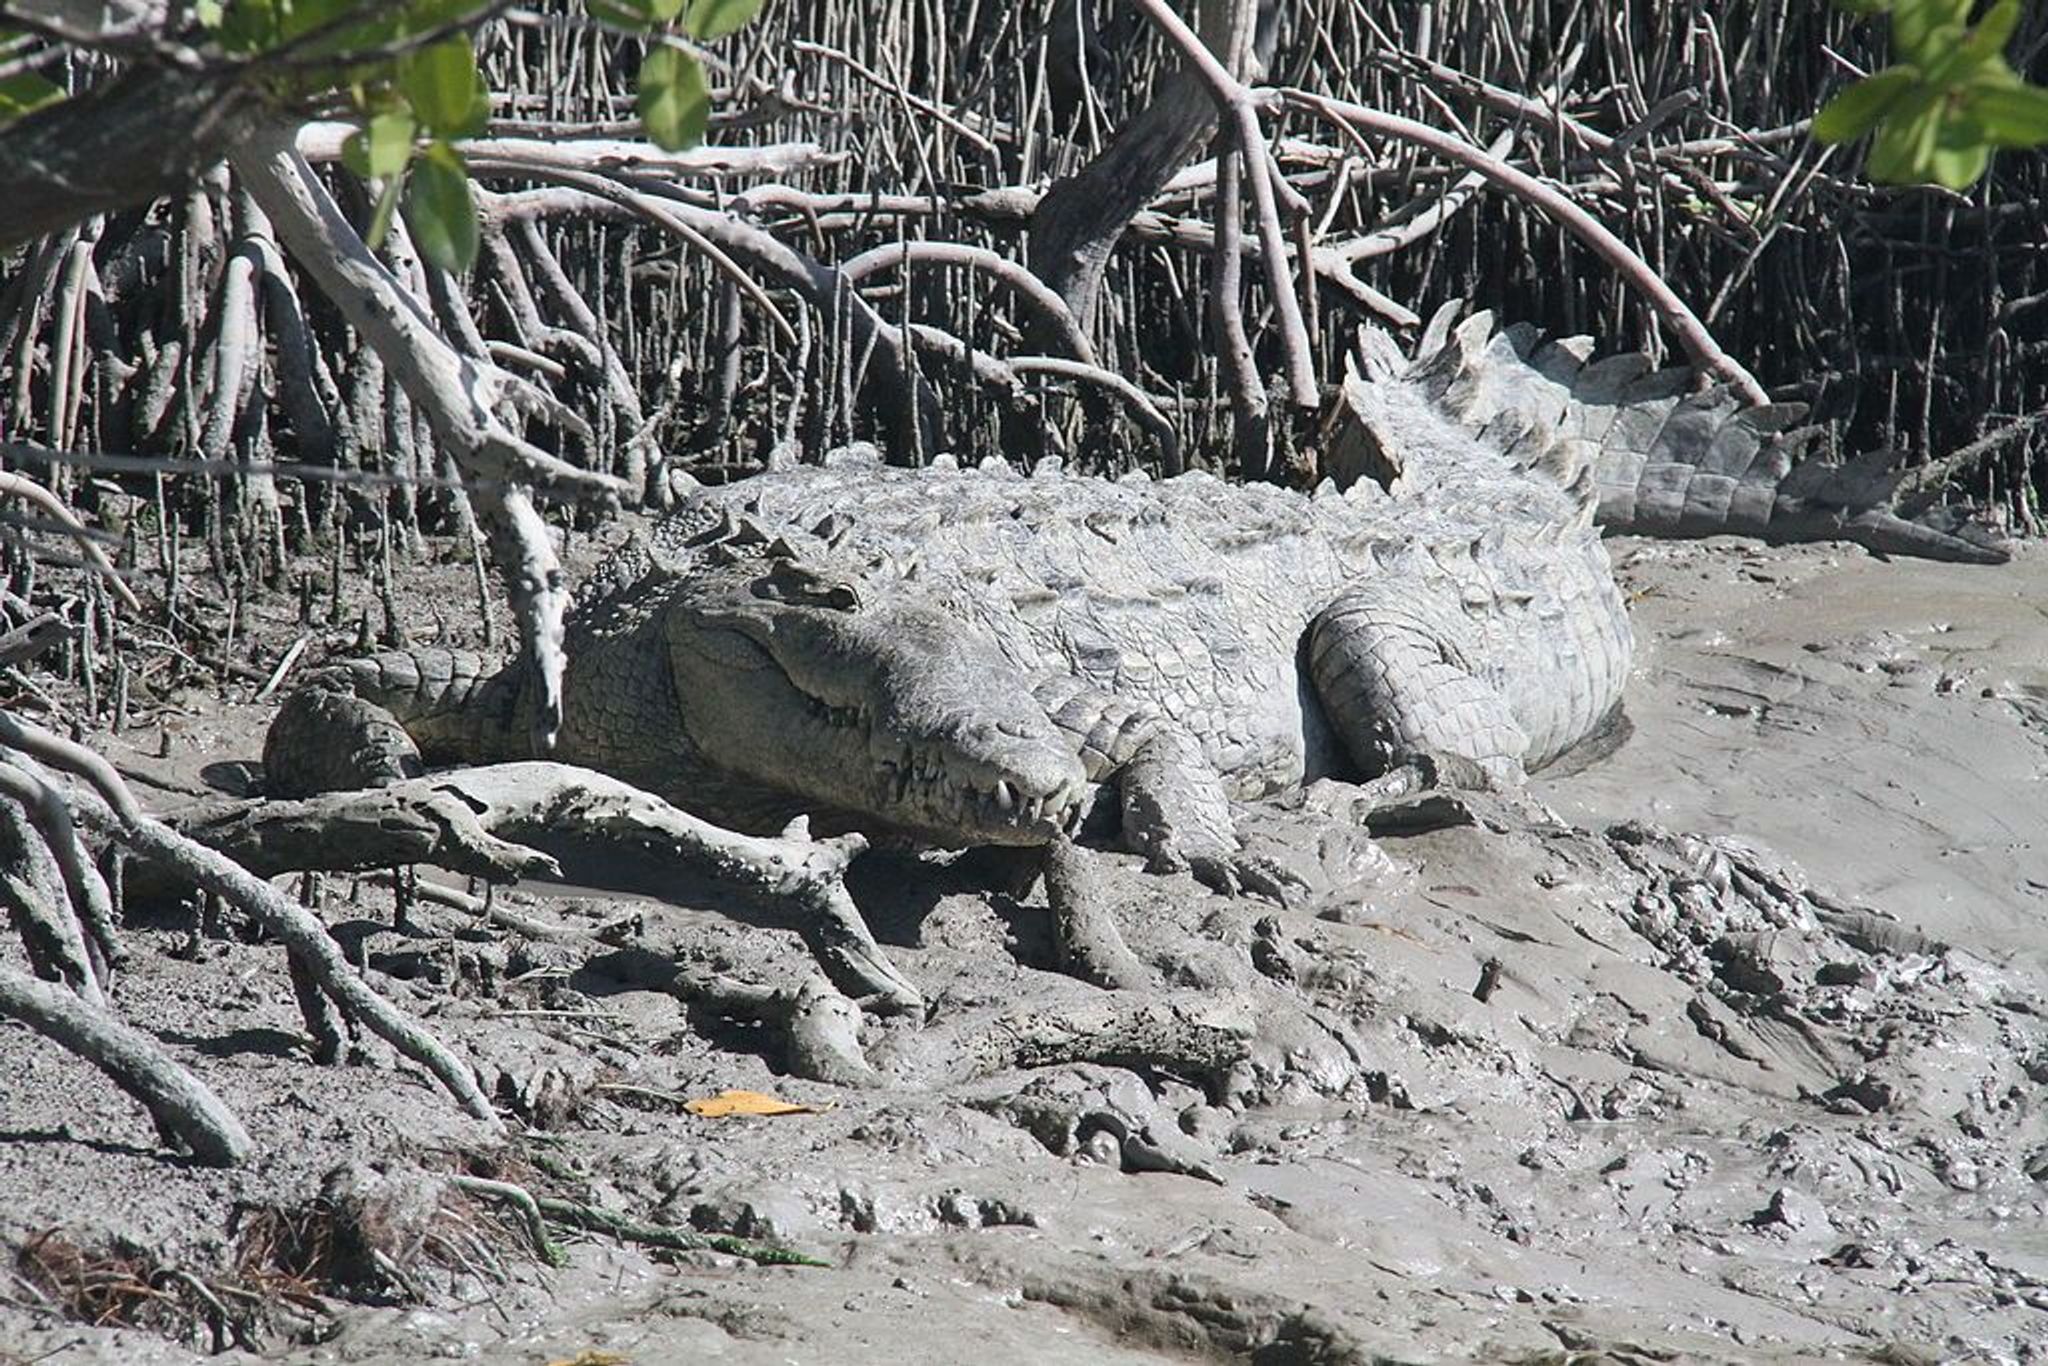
(896, 718)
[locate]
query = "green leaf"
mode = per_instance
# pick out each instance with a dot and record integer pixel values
(1955, 56)
(1856, 111)
(1960, 153)
(25, 92)
(675, 104)
(1994, 31)
(446, 92)
(1906, 139)
(634, 14)
(389, 144)
(440, 210)
(1926, 30)
(1864, 6)
(382, 152)
(380, 219)
(355, 154)
(2012, 115)
(709, 19)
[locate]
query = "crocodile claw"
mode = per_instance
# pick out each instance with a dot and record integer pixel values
(1239, 874)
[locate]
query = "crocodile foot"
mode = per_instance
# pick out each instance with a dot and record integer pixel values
(1239, 874)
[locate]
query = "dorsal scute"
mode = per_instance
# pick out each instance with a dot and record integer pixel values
(853, 455)
(1482, 414)
(1470, 417)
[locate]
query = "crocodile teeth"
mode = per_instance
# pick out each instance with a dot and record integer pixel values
(1006, 798)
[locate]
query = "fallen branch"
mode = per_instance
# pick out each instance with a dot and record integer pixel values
(819, 1026)
(1921, 484)
(1090, 945)
(540, 802)
(531, 800)
(33, 638)
(357, 831)
(1196, 1034)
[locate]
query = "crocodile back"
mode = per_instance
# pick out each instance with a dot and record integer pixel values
(1189, 595)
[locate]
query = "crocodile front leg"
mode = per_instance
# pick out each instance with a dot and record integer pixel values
(1174, 807)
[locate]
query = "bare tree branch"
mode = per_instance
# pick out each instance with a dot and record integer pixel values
(1691, 332)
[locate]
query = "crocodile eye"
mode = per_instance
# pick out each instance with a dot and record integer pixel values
(802, 587)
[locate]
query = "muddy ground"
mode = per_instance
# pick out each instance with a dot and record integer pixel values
(1727, 1046)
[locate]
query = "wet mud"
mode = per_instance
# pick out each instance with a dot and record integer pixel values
(1725, 1046)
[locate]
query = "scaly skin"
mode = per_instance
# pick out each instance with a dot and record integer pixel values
(968, 657)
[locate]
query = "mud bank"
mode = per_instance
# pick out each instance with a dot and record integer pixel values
(1728, 1046)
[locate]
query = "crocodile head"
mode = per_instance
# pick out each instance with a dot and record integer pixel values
(872, 705)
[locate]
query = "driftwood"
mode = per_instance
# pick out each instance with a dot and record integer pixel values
(819, 1027)
(1187, 1033)
(1190, 1033)
(462, 819)
(358, 831)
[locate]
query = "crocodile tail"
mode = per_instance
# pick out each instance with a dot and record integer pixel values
(1649, 453)
(371, 721)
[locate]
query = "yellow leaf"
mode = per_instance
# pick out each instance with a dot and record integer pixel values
(745, 1103)
(593, 1356)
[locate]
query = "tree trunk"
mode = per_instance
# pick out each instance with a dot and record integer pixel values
(1077, 224)
(143, 134)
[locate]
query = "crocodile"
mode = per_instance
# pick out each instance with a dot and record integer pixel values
(969, 656)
